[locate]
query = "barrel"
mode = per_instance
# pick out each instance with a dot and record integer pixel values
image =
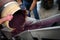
(19, 16)
(2, 3)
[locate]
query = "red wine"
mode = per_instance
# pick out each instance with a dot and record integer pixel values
(18, 21)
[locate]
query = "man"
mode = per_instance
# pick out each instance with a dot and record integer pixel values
(7, 18)
(30, 5)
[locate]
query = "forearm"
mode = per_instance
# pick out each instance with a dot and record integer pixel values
(6, 18)
(33, 4)
(2, 20)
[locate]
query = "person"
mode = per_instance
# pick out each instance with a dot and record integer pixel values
(30, 5)
(6, 18)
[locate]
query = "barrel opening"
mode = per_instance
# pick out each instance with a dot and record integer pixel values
(18, 19)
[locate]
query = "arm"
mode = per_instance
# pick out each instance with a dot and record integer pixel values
(2, 20)
(33, 4)
(6, 18)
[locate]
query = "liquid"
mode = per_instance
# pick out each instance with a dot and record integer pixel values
(18, 21)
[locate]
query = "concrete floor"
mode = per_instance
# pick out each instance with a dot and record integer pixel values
(47, 13)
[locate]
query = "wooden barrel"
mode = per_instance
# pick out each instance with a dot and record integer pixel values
(2, 3)
(18, 16)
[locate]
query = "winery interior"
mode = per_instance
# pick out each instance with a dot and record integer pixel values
(32, 20)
